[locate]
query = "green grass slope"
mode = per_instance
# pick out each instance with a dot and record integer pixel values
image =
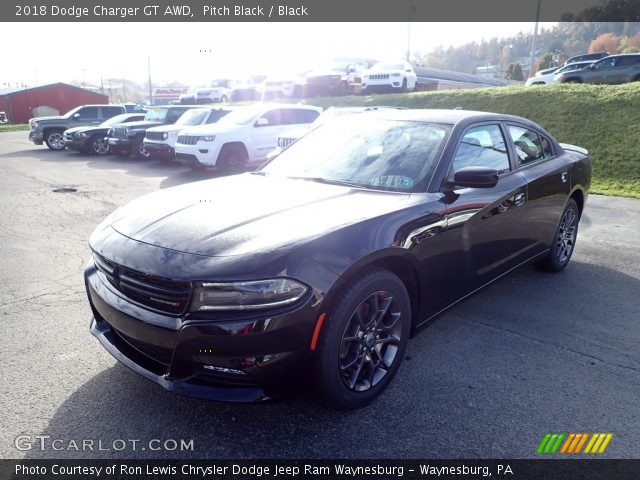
(604, 119)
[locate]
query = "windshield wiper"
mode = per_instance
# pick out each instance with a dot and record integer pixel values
(329, 181)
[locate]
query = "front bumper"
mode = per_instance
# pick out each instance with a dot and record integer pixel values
(119, 144)
(203, 154)
(241, 359)
(36, 136)
(323, 87)
(159, 150)
(387, 85)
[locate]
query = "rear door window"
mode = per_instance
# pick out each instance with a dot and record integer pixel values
(528, 145)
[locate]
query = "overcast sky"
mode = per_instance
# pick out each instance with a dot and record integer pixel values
(196, 53)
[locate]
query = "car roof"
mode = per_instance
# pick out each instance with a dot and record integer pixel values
(451, 117)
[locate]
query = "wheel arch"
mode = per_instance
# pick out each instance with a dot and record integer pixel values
(400, 265)
(236, 143)
(578, 196)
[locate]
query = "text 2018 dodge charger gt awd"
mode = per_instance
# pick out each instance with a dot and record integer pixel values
(320, 265)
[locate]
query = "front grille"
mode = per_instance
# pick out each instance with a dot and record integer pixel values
(154, 292)
(379, 76)
(155, 136)
(119, 132)
(188, 139)
(159, 354)
(284, 142)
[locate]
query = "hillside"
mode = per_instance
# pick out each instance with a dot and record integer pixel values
(604, 119)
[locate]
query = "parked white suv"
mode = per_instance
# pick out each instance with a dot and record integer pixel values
(219, 91)
(243, 137)
(159, 141)
(385, 77)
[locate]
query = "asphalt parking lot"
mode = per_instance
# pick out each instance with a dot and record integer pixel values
(531, 354)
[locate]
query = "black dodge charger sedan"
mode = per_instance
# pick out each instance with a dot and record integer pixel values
(319, 267)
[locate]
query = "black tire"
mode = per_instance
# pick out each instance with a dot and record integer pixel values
(404, 86)
(54, 139)
(232, 159)
(139, 151)
(564, 240)
(573, 80)
(98, 145)
(348, 375)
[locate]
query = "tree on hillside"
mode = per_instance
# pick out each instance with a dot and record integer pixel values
(546, 61)
(607, 42)
(630, 44)
(514, 72)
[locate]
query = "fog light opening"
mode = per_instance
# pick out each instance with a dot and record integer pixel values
(215, 368)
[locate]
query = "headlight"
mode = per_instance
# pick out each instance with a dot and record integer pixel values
(396, 74)
(173, 135)
(82, 134)
(253, 295)
(165, 135)
(208, 138)
(34, 124)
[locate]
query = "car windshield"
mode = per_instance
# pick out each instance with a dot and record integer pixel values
(372, 153)
(193, 117)
(116, 120)
(241, 116)
(156, 115)
(220, 83)
(70, 113)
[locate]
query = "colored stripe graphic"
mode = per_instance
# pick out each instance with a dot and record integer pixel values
(572, 443)
(550, 443)
(598, 443)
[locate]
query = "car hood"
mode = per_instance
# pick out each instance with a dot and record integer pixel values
(139, 124)
(80, 129)
(246, 214)
(166, 128)
(324, 73)
(47, 119)
(210, 129)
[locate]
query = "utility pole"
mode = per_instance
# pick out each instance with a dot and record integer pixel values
(149, 70)
(124, 90)
(533, 42)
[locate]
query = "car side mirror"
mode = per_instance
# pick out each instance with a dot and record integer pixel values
(475, 177)
(262, 122)
(76, 116)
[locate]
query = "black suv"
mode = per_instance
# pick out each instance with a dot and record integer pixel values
(585, 57)
(127, 139)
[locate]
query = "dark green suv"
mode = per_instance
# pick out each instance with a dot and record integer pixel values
(612, 69)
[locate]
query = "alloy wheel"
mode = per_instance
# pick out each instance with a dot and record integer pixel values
(370, 341)
(566, 237)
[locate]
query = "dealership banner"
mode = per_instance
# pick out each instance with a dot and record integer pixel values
(584, 469)
(318, 10)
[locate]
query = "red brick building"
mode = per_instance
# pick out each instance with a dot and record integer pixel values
(52, 99)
